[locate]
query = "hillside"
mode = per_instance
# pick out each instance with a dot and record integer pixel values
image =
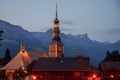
(38, 41)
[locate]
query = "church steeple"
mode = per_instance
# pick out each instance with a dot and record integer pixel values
(56, 47)
(56, 31)
(56, 21)
(56, 12)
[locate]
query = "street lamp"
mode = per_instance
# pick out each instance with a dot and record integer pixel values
(34, 77)
(111, 76)
(94, 76)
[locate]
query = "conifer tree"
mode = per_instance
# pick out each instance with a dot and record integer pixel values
(114, 56)
(1, 32)
(7, 57)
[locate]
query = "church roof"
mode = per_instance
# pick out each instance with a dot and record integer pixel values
(37, 55)
(20, 60)
(61, 64)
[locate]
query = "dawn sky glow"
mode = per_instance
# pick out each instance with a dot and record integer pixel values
(100, 19)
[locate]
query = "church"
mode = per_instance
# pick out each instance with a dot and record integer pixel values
(52, 65)
(58, 67)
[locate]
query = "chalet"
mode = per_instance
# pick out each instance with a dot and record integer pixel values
(21, 60)
(110, 70)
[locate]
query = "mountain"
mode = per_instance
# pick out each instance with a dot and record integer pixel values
(78, 44)
(38, 41)
(14, 35)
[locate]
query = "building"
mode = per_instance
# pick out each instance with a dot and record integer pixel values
(110, 70)
(21, 60)
(56, 47)
(62, 68)
(58, 67)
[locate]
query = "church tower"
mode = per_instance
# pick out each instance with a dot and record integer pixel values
(56, 47)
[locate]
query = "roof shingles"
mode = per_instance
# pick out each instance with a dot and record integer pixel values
(61, 64)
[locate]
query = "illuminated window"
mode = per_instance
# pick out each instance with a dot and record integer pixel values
(76, 74)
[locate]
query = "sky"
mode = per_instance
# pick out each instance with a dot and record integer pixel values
(100, 19)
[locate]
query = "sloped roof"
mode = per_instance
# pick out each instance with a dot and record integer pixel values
(20, 60)
(37, 55)
(111, 65)
(61, 64)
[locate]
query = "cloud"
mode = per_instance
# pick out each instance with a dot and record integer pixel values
(66, 29)
(113, 31)
(66, 25)
(67, 22)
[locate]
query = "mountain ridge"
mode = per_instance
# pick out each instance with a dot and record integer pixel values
(38, 41)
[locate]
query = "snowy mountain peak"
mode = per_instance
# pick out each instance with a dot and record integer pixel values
(83, 35)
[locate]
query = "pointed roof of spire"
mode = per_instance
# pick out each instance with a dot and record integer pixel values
(56, 11)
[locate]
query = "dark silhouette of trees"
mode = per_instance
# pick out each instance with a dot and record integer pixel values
(7, 57)
(30, 66)
(114, 56)
(5, 60)
(19, 74)
(1, 32)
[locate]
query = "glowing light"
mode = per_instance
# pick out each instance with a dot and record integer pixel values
(34, 77)
(111, 76)
(76, 73)
(94, 75)
(56, 25)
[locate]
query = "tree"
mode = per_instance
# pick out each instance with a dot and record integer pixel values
(114, 56)
(7, 57)
(1, 32)
(2, 73)
(1, 59)
(30, 67)
(19, 74)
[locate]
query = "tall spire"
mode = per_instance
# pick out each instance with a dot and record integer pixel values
(56, 47)
(56, 11)
(56, 31)
(56, 21)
